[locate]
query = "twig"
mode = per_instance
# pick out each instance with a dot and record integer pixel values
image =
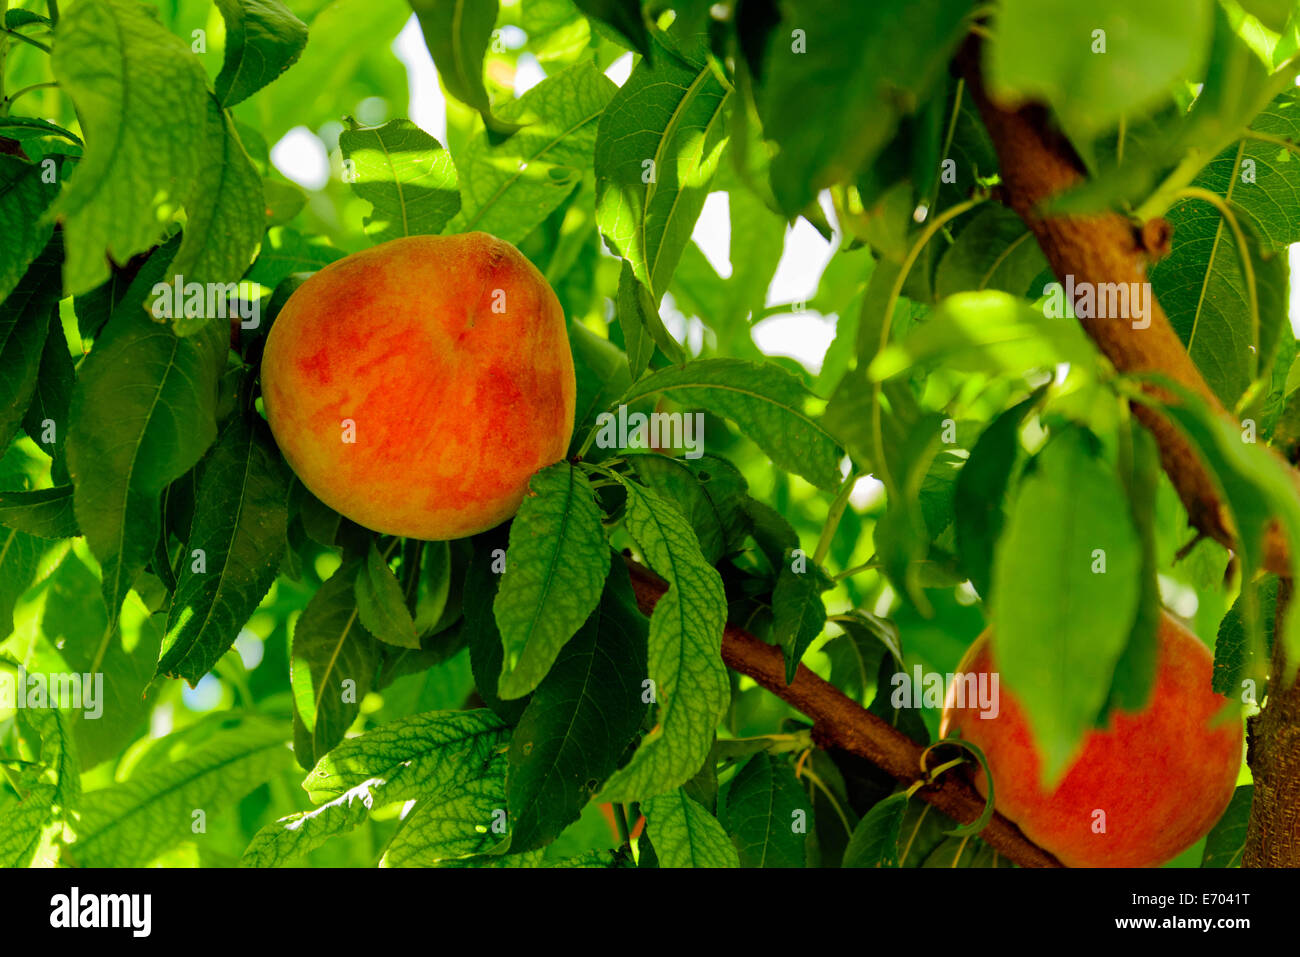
(1037, 165)
(840, 722)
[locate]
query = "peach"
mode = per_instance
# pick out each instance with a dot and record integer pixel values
(416, 386)
(1137, 793)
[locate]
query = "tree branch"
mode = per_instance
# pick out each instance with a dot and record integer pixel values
(1273, 753)
(840, 722)
(1036, 165)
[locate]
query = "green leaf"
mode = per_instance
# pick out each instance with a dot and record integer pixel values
(24, 197)
(580, 720)
(226, 213)
(994, 251)
(130, 824)
(555, 567)
(46, 420)
(657, 149)
(285, 252)
(906, 719)
(417, 755)
(52, 784)
(978, 511)
(1237, 657)
(284, 201)
(768, 815)
(875, 841)
(685, 658)
(381, 604)
(1201, 284)
(856, 655)
(295, 835)
(954, 852)
(1135, 671)
(685, 834)
(1071, 546)
(23, 825)
(138, 90)
(332, 664)
(642, 326)
(757, 244)
(511, 187)
(482, 581)
(1147, 49)
(602, 374)
(45, 512)
(1226, 843)
(1258, 491)
(767, 403)
(433, 606)
(21, 18)
(924, 828)
(454, 823)
(239, 525)
(263, 39)
(990, 331)
(405, 174)
(337, 68)
(25, 319)
(457, 33)
(798, 612)
(143, 412)
(876, 57)
(77, 638)
(710, 493)
(624, 17)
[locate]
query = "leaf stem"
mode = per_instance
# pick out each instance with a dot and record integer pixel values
(833, 517)
(932, 227)
(947, 140)
(26, 39)
(850, 572)
(1275, 140)
(815, 780)
(8, 101)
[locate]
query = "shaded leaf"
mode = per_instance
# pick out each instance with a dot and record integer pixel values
(580, 720)
(766, 402)
(556, 564)
(685, 834)
(405, 174)
(333, 662)
(239, 527)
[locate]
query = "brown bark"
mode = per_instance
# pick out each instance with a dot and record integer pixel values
(840, 722)
(1035, 166)
(1273, 838)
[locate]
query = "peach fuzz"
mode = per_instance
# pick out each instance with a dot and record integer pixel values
(1162, 776)
(445, 361)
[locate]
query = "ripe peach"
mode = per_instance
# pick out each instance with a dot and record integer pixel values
(1160, 777)
(416, 386)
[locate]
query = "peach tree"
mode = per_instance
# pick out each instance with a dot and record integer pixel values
(1038, 374)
